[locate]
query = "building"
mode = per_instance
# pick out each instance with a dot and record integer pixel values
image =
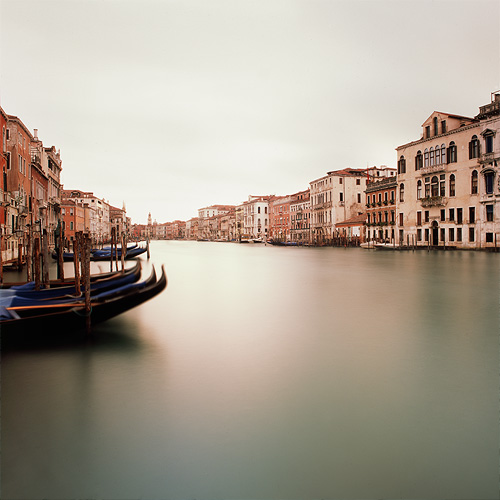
(255, 217)
(279, 218)
(300, 216)
(335, 197)
(448, 190)
(74, 216)
(381, 204)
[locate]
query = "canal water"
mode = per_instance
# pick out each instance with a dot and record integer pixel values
(270, 373)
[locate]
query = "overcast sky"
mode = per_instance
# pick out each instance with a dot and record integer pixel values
(174, 105)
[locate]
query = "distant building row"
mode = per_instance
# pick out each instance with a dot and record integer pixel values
(444, 192)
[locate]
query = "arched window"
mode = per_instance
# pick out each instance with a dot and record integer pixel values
(443, 153)
(426, 157)
(431, 156)
(435, 186)
(452, 152)
(435, 123)
(474, 147)
(473, 187)
(402, 165)
(419, 160)
(419, 190)
(452, 185)
(402, 192)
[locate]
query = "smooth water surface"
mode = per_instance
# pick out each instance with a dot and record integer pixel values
(270, 373)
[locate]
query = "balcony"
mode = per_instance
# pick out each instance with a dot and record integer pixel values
(433, 169)
(434, 201)
(487, 158)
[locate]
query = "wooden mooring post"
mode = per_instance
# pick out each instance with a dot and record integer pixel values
(45, 259)
(85, 252)
(29, 259)
(1, 258)
(124, 249)
(77, 244)
(60, 256)
(36, 258)
(147, 247)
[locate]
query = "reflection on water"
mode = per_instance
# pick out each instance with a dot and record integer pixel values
(267, 372)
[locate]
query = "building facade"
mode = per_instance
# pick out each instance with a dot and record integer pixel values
(300, 216)
(448, 191)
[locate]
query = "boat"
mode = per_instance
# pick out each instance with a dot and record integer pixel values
(69, 291)
(103, 254)
(70, 281)
(62, 320)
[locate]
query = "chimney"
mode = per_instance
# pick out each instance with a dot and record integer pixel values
(35, 134)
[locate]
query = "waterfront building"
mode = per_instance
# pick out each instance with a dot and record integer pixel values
(381, 204)
(300, 211)
(448, 190)
(351, 231)
(205, 213)
(98, 224)
(118, 220)
(74, 215)
(279, 218)
(335, 197)
(256, 217)
(191, 232)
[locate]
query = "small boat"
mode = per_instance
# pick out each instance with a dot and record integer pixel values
(62, 320)
(103, 254)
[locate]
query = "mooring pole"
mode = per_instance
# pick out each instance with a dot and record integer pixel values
(45, 259)
(77, 244)
(36, 244)
(86, 261)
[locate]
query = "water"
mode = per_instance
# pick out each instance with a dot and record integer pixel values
(266, 372)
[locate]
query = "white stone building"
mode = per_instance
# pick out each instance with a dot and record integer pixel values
(448, 181)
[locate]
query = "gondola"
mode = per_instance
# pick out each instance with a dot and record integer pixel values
(70, 281)
(62, 320)
(104, 254)
(63, 292)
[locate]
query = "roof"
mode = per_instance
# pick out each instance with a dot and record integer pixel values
(358, 220)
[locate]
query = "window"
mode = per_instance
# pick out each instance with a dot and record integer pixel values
(359, 197)
(452, 214)
(258, 210)
(443, 153)
(452, 153)
(459, 216)
(489, 237)
(473, 188)
(431, 156)
(471, 234)
(459, 234)
(452, 185)
(402, 165)
(451, 234)
(488, 181)
(419, 235)
(71, 225)
(427, 187)
(443, 215)
(426, 216)
(443, 127)
(426, 235)
(472, 215)
(426, 157)
(419, 218)
(435, 124)
(341, 196)
(358, 182)
(402, 192)
(340, 180)
(474, 147)
(8, 160)
(442, 185)
(427, 131)
(434, 186)
(489, 213)
(400, 219)
(488, 139)
(419, 189)
(443, 234)
(419, 160)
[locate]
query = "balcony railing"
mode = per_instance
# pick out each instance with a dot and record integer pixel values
(434, 201)
(433, 168)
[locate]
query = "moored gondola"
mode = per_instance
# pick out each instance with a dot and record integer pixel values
(62, 320)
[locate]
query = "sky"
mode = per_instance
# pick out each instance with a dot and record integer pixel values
(170, 106)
